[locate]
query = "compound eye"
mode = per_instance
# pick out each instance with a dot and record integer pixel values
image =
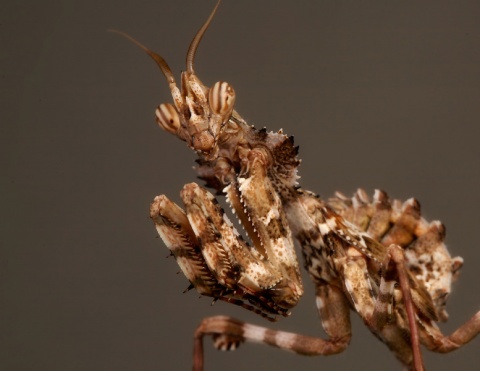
(221, 98)
(168, 118)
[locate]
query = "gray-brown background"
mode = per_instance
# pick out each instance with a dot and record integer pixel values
(379, 94)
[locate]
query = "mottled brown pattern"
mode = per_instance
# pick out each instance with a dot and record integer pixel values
(379, 258)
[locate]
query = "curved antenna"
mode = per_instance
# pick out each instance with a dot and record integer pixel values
(192, 49)
(167, 72)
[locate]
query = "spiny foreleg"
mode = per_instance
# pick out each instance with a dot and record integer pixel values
(213, 256)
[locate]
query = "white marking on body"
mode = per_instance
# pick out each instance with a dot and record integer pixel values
(272, 214)
(319, 302)
(324, 228)
(285, 340)
(388, 287)
(254, 333)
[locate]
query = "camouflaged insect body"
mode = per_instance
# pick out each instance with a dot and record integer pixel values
(379, 258)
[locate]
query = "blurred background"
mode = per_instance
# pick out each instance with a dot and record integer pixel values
(378, 94)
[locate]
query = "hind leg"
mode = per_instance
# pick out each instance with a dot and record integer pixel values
(434, 340)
